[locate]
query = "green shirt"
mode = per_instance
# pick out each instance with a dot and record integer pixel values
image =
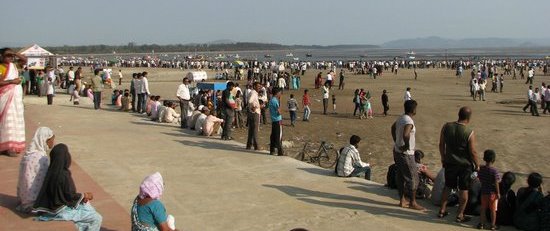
(97, 84)
(457, 147)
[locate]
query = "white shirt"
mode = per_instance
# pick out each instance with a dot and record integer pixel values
(253, 102)
(530, 94)
(325, 92)
(399, 128)
(199, 123)
(329, 77)
(531, 73)
(170, 114)
(407, 96)
(144, 86)
(349, 160)
(183, 92)
(70, 74)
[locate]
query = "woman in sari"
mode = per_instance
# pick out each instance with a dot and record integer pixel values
(58, 198)
(12, 120)
(148, 212)
(33, 168)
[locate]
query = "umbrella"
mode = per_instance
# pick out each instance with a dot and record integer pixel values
(238, 63)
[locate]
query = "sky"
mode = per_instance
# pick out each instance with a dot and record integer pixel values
(289, 22)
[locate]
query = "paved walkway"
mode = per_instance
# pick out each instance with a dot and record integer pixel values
(210, 184)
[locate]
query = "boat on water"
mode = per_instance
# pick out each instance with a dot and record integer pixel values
(267, 56)
(296, 58)
(289, 54)
(220, 56)
(363, 56)
(411, 55)
(309, 55)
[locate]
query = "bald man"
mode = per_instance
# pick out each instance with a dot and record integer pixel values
(459, 159)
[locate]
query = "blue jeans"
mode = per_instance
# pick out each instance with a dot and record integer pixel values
(359, 171)
(97, 99)
(292, 117)
(307, 112)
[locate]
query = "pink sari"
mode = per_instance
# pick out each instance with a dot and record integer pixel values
(12, 119)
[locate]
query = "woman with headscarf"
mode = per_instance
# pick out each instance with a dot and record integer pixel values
(58, 198)
(12, 120)
(33, 168)
(148, 212)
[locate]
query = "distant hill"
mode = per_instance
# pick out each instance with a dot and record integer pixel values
(435, 42)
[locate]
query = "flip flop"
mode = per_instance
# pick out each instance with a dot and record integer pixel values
(463, 219)
(442, 214)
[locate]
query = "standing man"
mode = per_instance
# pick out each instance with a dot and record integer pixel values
(228, 110)
(119, 77)
(385, 102)
(329, 79)
(530, 76)
(70, 79)
(341, 83)
(403, 132)
(133, 91)
(253, 116)
(533, 100)
(529, 97)
(184, 96)
(144, 92)
(276, 139)
(546, 99)
(459, 159)
(326, 91)
(97, 87)
(407, 95)
(137, 89)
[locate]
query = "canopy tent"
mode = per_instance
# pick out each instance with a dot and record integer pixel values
(197, 76)
(214, 87)
(37, 57)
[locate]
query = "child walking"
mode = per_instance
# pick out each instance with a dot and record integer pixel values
(292, 107)
(490, 193)
(306, 103)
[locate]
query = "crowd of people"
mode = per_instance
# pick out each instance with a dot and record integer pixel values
(46, 186)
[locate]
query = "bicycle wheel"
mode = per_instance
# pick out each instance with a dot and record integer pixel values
(328, 159)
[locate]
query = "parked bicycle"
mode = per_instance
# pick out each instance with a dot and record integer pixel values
(326, 156)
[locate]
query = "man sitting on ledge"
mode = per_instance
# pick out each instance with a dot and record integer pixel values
(349, 163)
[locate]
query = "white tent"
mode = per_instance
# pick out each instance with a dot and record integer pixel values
(36, 56)
(197, 76)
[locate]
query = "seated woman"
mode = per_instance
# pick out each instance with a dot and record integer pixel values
(33, 168)
(529, 199)
(507, 202)
(58, 198)
(126, 102)
(155, 108)
(149, 104)
(148, 212)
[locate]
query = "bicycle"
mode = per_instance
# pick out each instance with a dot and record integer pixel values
(325, 157)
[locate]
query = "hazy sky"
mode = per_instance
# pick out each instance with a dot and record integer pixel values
(324, 22)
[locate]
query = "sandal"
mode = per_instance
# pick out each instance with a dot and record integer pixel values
(463, 219)
(442, 214)
(494, 227)
(480, 226)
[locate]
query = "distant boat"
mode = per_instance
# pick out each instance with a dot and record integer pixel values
(220, 56)
(363, 56)
(289, 55)
(309, 55)
(267, 56)
(296, 58)
(237, 56)
(411, 55)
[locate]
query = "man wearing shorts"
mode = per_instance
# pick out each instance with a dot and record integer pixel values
(403, 133)
(459, 158)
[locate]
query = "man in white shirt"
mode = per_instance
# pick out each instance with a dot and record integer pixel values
(326, 93)
(170, 115)
(329, 79)
(403, 133)
(546, 100)
(407, 94)
(529, 97)
(253, 116)
(119, 77)
(530, 76)
(184, 96)
(349, 163)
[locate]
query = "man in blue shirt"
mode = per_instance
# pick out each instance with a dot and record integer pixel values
(276, 123)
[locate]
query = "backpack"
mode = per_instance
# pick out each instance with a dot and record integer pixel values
(391, 181)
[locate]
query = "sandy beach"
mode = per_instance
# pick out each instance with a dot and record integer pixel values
(500, 124)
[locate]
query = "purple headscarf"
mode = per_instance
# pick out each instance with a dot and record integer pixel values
(152, 186)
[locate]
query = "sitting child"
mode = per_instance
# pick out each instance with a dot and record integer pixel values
(126, 102)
